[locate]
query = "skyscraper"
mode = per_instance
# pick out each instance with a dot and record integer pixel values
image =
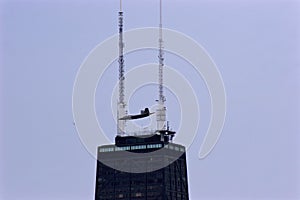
(144, 165)
(138, 180)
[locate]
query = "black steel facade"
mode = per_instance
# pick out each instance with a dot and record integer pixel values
(167, 183)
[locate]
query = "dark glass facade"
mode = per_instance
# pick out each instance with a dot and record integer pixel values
(141, 179)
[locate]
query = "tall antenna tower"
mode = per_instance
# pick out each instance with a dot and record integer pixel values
(161, 110)
(121, 101)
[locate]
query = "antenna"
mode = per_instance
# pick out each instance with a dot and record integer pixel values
(161, 110)
(121, 102)
(161, 59)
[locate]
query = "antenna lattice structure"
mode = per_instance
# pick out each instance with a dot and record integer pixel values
(121, 101)
(161, 110)
(161, 59)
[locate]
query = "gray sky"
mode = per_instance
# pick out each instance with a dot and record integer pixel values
(255, 44)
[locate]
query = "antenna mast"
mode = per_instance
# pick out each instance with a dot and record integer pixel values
(121, 101)
(161, 111)
(161, 59)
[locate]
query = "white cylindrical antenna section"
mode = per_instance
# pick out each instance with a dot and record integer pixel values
(160, 12)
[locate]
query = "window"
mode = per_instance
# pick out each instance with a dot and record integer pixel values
(138, 147)
(138, 194)
(106, 149)
(122, 148)
(151, 146)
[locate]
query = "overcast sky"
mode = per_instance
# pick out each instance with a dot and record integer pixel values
(255, 44)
